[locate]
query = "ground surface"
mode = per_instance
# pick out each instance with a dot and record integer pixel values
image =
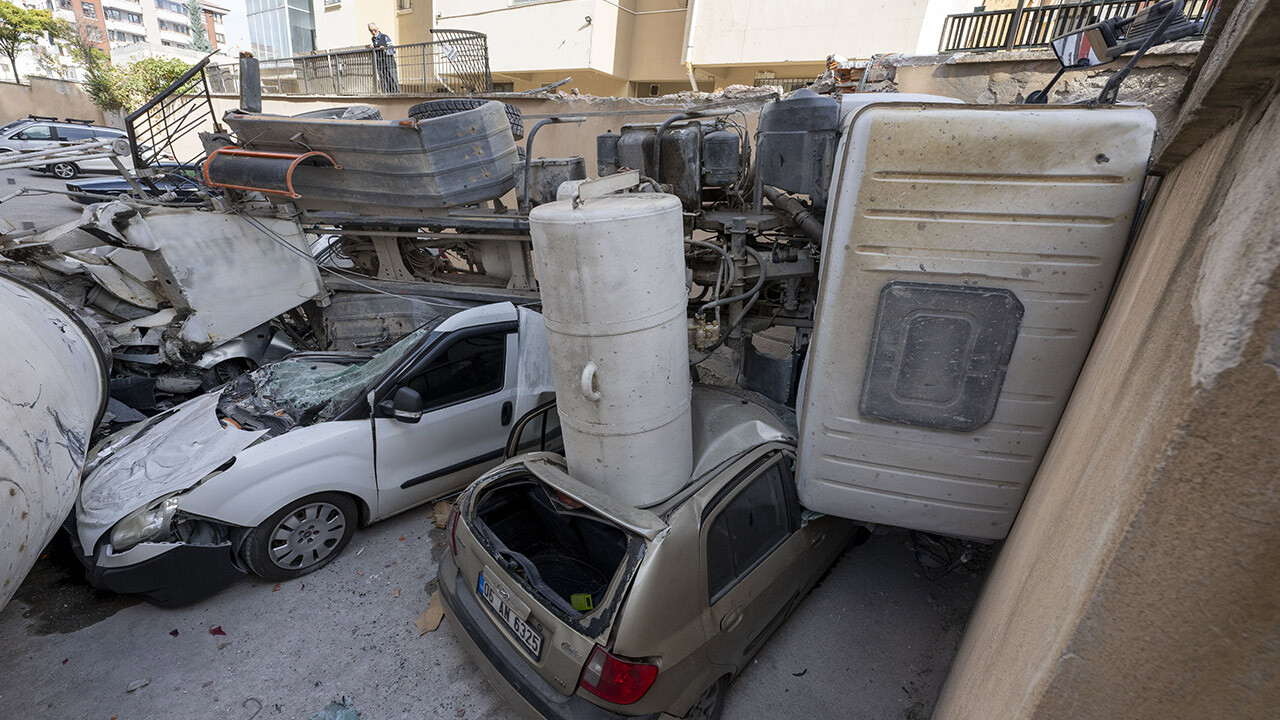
(40, 210)
(873, 640)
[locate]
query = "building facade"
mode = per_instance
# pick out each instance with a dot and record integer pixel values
(281, 28)
(158, 22)
(651, 47)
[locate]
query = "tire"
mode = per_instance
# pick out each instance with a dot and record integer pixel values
(305, 545)
(709, 705)
(440, 108)
(65, 170)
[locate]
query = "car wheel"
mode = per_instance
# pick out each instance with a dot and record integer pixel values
(302, 537)
(440, 108)
(710, 705)
(65, 170)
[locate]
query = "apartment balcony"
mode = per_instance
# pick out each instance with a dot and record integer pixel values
(1032, 27)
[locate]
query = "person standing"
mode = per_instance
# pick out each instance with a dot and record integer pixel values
(384, 61)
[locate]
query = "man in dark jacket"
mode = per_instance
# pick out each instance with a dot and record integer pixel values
(384, 61)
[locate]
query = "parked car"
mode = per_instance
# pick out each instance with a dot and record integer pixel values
(575, 605)
(180, 180)
(44, 133)
(272, 473)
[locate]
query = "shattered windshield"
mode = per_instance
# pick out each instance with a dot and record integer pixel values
(287, 393)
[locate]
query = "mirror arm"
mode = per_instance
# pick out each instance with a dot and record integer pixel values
(1111, 90)
(1040, 97)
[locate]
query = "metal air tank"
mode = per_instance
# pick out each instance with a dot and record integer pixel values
(611, 272)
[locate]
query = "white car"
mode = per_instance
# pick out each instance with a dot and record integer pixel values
(42, 134)
(272, 473)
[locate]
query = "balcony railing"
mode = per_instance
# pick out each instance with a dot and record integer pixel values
(1035, 26)
(456, 61)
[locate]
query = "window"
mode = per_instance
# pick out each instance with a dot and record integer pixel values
(174, 27)
(122, 15)
(220, 38)
(36, 132)
(89, 10)
(107, 133)
(74, 134)
(504, 87)
(65, 4)
(747, 529)
(469, 368)
(171, 6)
(404, 5)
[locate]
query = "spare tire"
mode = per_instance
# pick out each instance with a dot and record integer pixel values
(440, 108)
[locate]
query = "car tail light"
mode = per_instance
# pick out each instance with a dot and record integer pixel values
(453, 530)
(615, 679)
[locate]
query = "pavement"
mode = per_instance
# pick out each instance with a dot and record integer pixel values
(875, 639)
(38, 210)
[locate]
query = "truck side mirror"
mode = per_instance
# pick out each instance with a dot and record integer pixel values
(1084, 48)
(405, 407)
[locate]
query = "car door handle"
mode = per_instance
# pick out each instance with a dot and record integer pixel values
(732, 620)
(506, 413)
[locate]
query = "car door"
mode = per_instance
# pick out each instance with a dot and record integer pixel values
(468, 390)
(37, 136)
(753, 554)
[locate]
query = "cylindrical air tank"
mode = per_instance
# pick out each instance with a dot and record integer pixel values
(611, 272)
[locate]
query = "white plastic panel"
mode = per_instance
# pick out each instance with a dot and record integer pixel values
(1033, 201)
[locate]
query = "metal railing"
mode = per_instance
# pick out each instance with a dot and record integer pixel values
(456, 61)
(1031, 27)
(166, 127)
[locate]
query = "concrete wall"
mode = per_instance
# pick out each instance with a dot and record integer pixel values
(49, 97)
(1009, 77)
(1142, 577)
(346, 24)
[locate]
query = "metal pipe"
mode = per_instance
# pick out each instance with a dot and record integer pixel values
(728, 259)
(738, 298)
(528, 155)
(809, 224)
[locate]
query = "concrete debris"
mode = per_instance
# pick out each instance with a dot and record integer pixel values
(138, 684)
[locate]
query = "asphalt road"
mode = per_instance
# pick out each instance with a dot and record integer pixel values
(873, 640)
(37, 210)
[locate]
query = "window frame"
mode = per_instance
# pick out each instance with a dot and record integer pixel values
(415, 368)
(721, 501)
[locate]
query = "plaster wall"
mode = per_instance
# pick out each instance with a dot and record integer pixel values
(51, 98)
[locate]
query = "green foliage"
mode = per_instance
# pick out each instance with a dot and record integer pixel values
(123, 88)
(20, 27)
(199, 35)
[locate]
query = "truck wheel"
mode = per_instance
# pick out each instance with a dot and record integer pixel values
(440, 108)
(65, 170)
(302, 537)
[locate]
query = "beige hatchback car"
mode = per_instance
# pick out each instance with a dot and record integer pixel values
(577, 607)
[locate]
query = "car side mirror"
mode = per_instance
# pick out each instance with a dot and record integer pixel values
(405, 407)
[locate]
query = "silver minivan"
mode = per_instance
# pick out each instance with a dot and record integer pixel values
(43, 133)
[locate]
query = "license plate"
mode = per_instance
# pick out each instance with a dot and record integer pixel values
(492, 593)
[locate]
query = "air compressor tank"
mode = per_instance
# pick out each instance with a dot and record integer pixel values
(611, 272)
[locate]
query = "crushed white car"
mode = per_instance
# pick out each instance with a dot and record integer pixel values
(272, 473)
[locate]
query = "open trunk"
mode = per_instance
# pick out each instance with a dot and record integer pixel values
(566, 553)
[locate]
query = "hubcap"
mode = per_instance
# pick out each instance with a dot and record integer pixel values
(63, 170)
(307, 536)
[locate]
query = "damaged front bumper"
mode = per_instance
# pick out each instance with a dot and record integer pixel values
(165, 574)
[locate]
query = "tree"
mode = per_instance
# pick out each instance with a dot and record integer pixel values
(20, 27)
(124, 88)
(82, 42)
(199, 36)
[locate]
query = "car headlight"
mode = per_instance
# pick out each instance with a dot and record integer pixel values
(144, 523)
